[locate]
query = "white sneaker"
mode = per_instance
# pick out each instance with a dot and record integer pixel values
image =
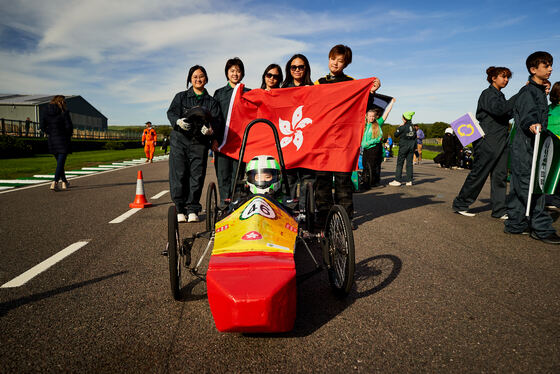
(181, 217)
(54, 186)
(395, 183)
(65, 185)
(193, 218)
(409, 183)
(465, 213)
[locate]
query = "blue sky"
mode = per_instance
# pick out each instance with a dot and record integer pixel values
(128, 59)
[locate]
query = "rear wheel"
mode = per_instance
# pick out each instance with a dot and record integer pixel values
(174, 252)
(211, 207)
(339, 251)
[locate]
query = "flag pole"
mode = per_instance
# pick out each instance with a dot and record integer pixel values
(533, 169)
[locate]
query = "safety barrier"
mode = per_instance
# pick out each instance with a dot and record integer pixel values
(32, 129)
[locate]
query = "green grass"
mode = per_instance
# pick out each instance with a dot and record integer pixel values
(426, 155)
(46, 164)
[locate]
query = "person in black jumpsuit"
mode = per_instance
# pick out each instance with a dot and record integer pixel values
(490, 152)
(340, 56)
(225, 166)
(298, 74)
(407, 145)
(188, 155)
(531, 116)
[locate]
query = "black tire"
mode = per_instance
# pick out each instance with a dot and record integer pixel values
(309, 207)
(340, 251)
(174, 252)
(211, 207)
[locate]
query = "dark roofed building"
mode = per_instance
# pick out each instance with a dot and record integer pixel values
(19, 107)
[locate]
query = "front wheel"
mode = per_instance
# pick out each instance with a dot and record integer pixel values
(211, 207)
(174, 252)
(339, 251)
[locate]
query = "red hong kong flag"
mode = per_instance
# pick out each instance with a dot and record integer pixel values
(320, 127)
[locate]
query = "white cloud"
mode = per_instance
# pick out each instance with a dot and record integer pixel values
(132, 57)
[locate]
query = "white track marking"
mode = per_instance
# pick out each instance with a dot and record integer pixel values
(124, 216)
(21, 181)
(155, 197)
(73, 176)
(97, 169)
(37, 269)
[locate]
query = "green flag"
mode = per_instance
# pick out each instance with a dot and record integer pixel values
(547, 171)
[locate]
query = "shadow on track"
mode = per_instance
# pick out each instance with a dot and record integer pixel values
(373, 205)
(317, 305)
(5, 307)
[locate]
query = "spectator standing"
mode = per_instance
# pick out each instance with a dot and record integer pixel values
(165, 144)
(448, 158)
(340, 56)
(371, 141)
(193, 114)
(390, 144)
(531, 116)
(407, 145)
(27, 124)
(58, 126)
(419, 142)
(298, 73)
(225, 166)
(149, 141)
(490, 152)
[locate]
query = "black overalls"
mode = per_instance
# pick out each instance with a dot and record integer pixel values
(490, 153)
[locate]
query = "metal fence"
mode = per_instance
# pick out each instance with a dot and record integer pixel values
(32, 129)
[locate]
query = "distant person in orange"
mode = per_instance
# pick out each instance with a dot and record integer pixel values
(149, 138)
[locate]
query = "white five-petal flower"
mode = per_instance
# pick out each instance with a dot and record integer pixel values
(293, 130)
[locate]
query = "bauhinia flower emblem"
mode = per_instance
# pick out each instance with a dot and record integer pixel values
(293, 130)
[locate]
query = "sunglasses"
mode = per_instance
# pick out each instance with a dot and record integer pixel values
(270, 75)
(297, 67)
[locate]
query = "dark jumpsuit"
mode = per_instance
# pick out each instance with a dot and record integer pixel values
(188, 154)
(225, 166)
(530, 107)
(407, 145)
(342, 180)
(490, 153)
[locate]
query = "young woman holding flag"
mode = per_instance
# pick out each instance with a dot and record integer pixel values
(490, 152)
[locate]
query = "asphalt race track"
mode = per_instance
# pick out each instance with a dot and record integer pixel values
(435, 291)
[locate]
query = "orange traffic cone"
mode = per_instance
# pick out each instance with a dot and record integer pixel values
(140, 201)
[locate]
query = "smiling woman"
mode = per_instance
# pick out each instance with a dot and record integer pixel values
(194, 115)
(272, 77)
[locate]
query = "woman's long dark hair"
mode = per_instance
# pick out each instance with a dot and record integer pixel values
(306, 77)
(59, 101)
(269, 68)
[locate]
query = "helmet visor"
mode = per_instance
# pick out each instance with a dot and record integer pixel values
(263, 178)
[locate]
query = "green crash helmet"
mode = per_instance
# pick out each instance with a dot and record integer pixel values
(263, 175)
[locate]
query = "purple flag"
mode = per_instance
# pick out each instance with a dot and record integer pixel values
(467, 129)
